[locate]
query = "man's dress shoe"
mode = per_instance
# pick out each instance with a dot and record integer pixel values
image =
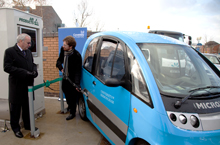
(18, 134)
(71, 116)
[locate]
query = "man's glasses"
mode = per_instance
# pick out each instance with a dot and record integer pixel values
(65, 45)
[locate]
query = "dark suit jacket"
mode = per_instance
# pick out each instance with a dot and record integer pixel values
(17, 66)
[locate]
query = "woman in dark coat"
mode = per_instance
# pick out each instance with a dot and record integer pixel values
(18, 62)
(72, 61)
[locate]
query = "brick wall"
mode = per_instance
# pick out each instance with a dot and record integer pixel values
(212, 49)
(50, 55)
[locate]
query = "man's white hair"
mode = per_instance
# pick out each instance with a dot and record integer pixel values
(22, 37)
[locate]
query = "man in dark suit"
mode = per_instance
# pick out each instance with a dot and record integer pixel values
(18, 62)
(72, 68)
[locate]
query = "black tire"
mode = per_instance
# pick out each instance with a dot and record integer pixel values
(82, 109)
(141, 142)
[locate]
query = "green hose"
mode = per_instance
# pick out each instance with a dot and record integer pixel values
(47, 84)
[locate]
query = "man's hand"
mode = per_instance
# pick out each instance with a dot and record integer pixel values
(33, 74)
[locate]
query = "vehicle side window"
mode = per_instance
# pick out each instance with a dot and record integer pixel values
(139, 87)
(90, 54)
(111, 61)
(118, 70)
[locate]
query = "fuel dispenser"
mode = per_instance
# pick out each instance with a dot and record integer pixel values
(14, 22)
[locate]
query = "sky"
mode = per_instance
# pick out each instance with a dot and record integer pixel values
(197, 18)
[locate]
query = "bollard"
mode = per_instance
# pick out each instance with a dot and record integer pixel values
(61, 99)
(35, 132)
(5, 129)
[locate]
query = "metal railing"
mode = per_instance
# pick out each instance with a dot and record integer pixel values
(35, 132)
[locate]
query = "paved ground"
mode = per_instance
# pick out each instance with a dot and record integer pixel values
(55, 130)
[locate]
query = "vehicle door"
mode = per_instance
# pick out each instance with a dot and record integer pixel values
(108, 105)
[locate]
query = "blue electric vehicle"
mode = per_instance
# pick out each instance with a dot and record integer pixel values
(146, 89)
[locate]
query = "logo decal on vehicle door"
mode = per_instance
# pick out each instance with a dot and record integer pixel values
(107, 96)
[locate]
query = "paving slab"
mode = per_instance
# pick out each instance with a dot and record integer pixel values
(55, 130)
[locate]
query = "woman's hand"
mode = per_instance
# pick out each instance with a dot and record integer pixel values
(79, 90)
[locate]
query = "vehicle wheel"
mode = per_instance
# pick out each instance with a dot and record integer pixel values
(142, 142)
(82, 109)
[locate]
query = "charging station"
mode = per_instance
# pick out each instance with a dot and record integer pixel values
(14, 22)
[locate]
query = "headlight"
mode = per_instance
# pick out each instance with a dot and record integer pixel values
(182, 119)
(173, 117)
(188, 121)
(194, 121)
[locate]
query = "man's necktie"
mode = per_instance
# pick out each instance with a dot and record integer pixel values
(24, 53)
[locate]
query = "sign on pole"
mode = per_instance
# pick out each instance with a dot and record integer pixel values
(80, 35)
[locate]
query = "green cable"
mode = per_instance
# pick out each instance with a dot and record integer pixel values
(47, 84)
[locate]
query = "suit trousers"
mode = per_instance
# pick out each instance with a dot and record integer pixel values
(15, 112)
(71, 95)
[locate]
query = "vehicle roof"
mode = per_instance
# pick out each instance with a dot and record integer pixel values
(141, 37)
(170, 32)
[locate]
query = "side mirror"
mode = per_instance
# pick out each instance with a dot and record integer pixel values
(113, 82)
(190, 38)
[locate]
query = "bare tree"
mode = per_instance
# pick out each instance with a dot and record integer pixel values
(40, 2)
(84, 14)
(24, 3)
(99, 26)
(5, 3)
(2, 3)
(21, 3)
(206, 38)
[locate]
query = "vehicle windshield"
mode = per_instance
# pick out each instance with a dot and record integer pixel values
(177, 69)
(213, 59)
